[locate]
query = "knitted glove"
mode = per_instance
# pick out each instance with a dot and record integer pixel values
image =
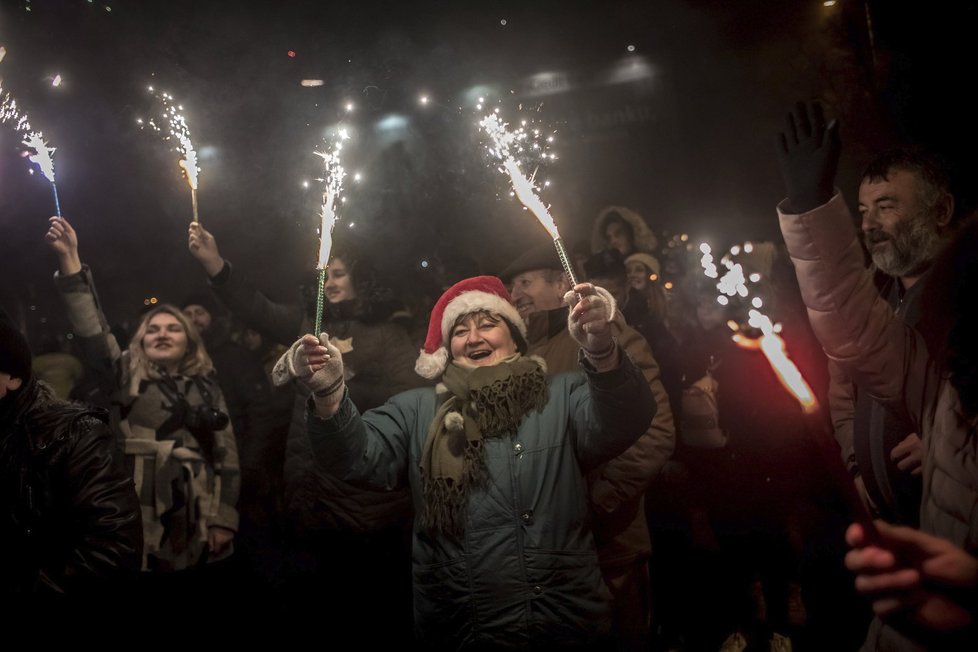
(808, 152)
(589, 318)
(316, 364)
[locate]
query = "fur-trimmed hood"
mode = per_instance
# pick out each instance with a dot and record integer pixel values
(645, 239)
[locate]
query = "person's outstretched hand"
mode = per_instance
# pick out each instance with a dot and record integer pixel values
(203, 247)
(808, 153)
(318, 365)
(917, 578)
(592, 309)
(63, 240)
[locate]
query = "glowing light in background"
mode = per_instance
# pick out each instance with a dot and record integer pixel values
(632, 68)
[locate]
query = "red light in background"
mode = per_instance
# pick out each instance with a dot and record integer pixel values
(291, 54)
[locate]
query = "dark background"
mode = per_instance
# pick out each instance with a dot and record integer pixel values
(681, 129)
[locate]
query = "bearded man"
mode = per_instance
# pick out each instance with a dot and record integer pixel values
(907, 209)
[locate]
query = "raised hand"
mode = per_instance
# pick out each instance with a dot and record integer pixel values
(589, 324)
(203, 247)
(318, 365)
(808, 153)
(63, 240)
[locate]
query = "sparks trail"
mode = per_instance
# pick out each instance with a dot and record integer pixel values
(172, 124)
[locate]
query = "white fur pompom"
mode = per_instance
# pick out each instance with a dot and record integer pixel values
(454, 422)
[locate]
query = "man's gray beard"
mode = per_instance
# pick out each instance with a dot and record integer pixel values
(911, 250)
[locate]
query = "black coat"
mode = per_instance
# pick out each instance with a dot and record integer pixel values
(69, 517)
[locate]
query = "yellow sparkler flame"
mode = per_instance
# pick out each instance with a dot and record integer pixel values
(773, 347)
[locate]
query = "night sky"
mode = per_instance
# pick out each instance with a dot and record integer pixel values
(680, 127)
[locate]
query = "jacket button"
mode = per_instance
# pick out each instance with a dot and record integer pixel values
(538, 589)
(518, 447)
(527, 517)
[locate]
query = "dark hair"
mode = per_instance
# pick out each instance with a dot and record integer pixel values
(930, 168)
(374, 302)
(518, 339)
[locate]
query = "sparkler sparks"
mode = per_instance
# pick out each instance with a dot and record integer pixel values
(733, 286)
(333, 175)
(506, 146)
(175, 128)
(40, 154)
(332, 187)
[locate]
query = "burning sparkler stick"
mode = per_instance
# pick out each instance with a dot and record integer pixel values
(333, 174)
(504, 145)
(40, 154)
(734, 284)
(176, 128)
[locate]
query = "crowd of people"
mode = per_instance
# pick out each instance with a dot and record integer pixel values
(527, 463)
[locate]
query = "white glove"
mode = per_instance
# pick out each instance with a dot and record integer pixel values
(589, 320)
(315, 363)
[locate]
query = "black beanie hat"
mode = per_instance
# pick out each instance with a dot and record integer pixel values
(203, 298)
(15, 354)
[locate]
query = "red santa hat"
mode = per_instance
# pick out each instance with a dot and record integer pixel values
(470, 295)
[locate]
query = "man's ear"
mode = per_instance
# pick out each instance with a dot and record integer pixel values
(945, 210)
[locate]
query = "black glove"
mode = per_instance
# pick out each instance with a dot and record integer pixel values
(808, 151)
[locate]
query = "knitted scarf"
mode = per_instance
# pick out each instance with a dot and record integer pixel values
(477, 403)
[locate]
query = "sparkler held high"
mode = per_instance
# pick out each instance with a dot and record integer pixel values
(39, 152)
(333, 175)
(176, 128)
(504, 145)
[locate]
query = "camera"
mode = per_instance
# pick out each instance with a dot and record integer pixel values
(205, 418)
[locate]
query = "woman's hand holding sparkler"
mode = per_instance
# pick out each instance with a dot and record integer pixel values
(318, 365)
(203, 247)
(61, 237)
(915, 578)
(588, 323)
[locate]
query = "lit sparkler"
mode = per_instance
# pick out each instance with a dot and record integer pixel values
(39, 152)
(506, 145)
(333, 175)
(734, 285)
(174, 126)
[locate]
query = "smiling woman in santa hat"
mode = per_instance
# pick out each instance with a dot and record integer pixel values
(495, 457)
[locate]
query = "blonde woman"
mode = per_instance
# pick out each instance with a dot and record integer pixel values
(168, 415)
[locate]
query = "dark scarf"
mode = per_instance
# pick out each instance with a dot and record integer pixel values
(477, 403)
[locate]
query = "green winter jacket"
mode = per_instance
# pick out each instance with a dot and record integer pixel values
(525, 573)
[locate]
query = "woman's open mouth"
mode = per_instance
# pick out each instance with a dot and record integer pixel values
(479, 355)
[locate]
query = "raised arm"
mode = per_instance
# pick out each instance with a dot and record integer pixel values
(629, 474)
(616, 407)
(281, 322)
(77, 287)
(371, 450)
(855, 326)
